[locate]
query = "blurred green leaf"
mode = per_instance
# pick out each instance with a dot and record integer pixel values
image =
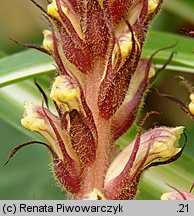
(179, 174)
(183, 9)
(2, 54)
(183, 59)
(24, 65)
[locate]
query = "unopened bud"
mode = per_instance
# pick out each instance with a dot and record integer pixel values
(152, 5)
(48, 41)
(53, 10)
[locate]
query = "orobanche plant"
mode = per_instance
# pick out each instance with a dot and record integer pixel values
(99, 86)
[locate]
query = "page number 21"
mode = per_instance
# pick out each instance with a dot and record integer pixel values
(183, 208)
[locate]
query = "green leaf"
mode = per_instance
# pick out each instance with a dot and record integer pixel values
(23, 66)
(2, 54)
(183, 9)
(183, 59)
(178, 174)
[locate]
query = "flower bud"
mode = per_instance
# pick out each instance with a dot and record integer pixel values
(152, 5)
(60, 10)
(53, 10)
(125, 44)
(48, 41)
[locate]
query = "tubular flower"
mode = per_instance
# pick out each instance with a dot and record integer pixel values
(100, 85)
(156, 146)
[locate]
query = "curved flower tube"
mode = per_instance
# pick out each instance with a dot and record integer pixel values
(155, 146)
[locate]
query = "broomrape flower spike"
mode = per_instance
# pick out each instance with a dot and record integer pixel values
(100, 86)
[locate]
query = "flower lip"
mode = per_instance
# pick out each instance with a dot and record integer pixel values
(32, 118)
(42, 121)
(65, 91)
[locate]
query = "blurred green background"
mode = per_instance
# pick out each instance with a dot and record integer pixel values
(28, 175)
